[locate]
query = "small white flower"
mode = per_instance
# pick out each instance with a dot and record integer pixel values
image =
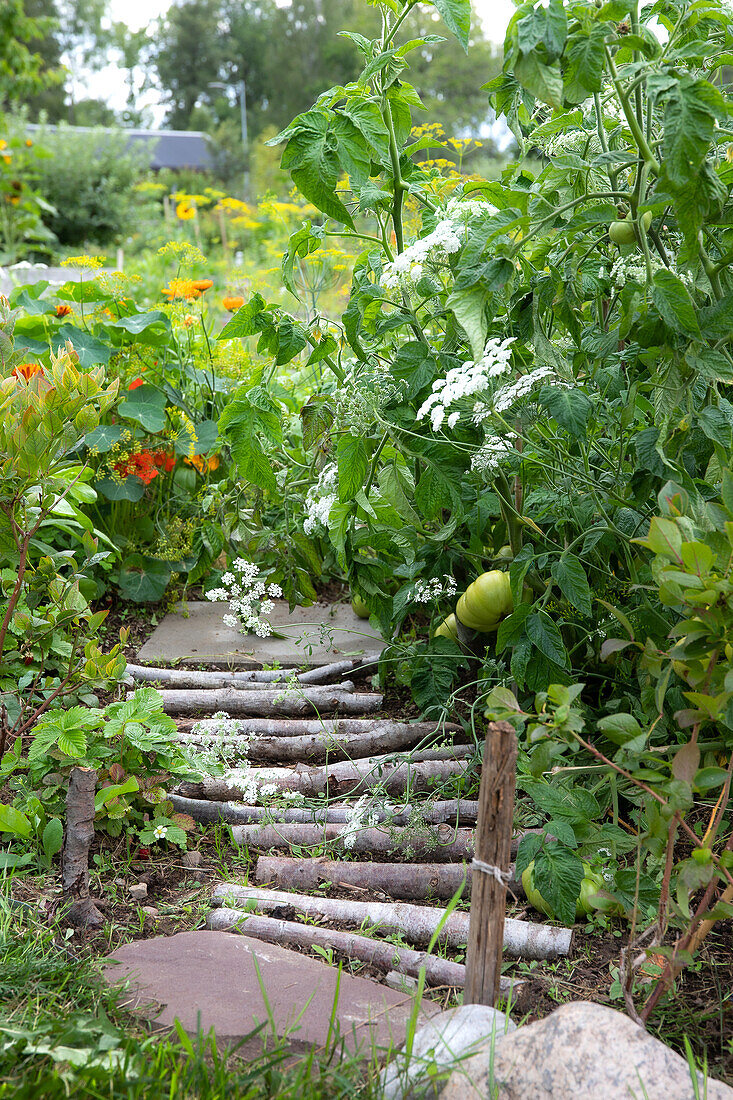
(160, 832)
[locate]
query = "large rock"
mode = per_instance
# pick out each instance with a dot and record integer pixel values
(219, 980)
(436, 1048)
(581, 1050)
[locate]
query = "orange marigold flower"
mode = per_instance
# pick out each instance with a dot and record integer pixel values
(27, 370)
(181, 288)
(203, 464)
(62, 310)
(137, 382)
(232, 304)
(203, 284)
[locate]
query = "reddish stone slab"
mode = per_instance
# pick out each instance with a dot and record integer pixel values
(209, 979)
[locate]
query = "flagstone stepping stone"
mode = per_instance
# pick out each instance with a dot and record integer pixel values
(209, 979)
(305, 637)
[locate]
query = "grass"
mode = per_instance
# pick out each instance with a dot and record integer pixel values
(64, 1034)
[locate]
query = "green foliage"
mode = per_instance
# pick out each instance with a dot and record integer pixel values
(88, 179)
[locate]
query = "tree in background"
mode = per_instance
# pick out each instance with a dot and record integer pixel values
(23, 68)
(283, 54)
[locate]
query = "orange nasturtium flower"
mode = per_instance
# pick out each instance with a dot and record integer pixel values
(62, 310)
(203, 464)
(232, 304)
(185, 210)
(137, 382)
(203, 284)
(181, 288)
(27, 370)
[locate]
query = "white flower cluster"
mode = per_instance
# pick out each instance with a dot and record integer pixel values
(358, 817)
(449, 234)
(464, 381)
(490, 456)
(576, 141)
(510, 395)
(245, 592)
(320, 499)
(362, 396)
(632, 269)
(434, 589)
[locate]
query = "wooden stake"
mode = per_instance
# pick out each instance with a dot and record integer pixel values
(493, 850)
(82, 911)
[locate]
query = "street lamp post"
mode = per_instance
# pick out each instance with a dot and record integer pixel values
(241, 90)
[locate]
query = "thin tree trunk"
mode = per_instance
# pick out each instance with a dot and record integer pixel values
(346, 777)
(439, 843)
(405, 881)
(269, 701)
(418, 923)
(319, 750)
(82, 911)
(191, 678)
(377, 953)
(346, 728)
(316, 748)
(455, 811)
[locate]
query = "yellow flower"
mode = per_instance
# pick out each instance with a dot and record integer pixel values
(189, 320)
(93, 262)
(187, 255)
(185, 210)
(181, 288)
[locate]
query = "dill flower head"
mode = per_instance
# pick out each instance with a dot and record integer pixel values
(181, 288)
(92, 263)
(187, 255)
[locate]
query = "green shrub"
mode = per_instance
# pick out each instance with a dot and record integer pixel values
(88, 179)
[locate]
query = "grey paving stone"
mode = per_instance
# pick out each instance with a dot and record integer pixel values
(209, 979)
(305, 637)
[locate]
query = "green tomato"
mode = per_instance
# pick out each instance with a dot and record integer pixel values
(486, 602)
(360, 607)
(623, 231)
(587, 899)
(447, 629)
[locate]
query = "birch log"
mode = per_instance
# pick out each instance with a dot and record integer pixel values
(269, 701)
(442, 843)
(346, 728)
(190, 678)
(406, 881)
(346, 777)
(418, 923)
(459, 812)
(377, 953)
(317, 749)
(82, 911)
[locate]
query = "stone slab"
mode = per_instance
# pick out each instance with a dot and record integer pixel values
(209, 979)
(306, 637)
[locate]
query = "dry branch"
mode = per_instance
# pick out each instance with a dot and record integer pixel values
(346, 777)
(377, 953)
(82, 911)
(318, 747)
(190, 678)
(406, 881)
(455, 811)
(269, 701)
(418, 923)
(338, 728)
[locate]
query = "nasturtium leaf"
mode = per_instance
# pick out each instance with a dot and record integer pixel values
(90, 350)
(131, 488)
(145, 405)
(142, 579)
(102, 438)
